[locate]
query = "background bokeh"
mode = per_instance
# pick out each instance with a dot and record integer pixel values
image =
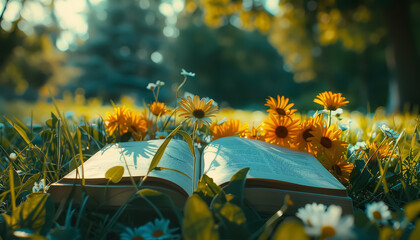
(92, 52)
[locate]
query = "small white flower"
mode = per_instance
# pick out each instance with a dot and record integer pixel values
(326, 223)
(13, 156)
(133, 233)
(38, 186)
(378, 212)
(388, 131)
(69, 114)
(151, 86)
(160, 83)
(198, 145)
(159, 229)
(185, 73)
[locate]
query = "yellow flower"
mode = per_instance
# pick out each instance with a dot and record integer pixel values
(281, 131)
(197, 110)
(330, 101)
(158, 108)
(255, 133)
(302, 141)
(338, 166)
(326, 140)
(117, 121)
(372, 151)
(280, 107)
(232, 127)
(137, 125)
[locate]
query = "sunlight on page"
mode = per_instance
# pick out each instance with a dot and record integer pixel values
(225, 156)
(139, 156)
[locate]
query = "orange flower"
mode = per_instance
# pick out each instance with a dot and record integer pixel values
(338, 166)
(117, 121)
(280, 107)
(158, 108)
(138, 125)
(255, 133)
(372, 151)
(303, 142)
(281, 131)
(197, 110)
(330, 101)
(326, 140)
(231, 127)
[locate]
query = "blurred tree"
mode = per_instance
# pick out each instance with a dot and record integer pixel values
(315, 37)
(122, 54)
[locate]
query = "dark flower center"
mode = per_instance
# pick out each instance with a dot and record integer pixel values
(306, 134)
(337, 170)
(157, 233)
(326, 142)
(281, 111)
(281, 132)
(198, 113)
(137, 238)
(332, 108)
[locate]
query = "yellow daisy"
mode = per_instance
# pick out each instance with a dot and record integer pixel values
(117, 121)
(199, 111)
(158, 108)
(331, 101)
(338, 166)
(232, 127)
(326, 140)
(302, 140)
(280, 107)
(281, 131)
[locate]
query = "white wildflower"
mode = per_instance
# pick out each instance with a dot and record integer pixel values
(159, 229)
(326, 223)
(185, 73)
(151, 86)
(378, 212)
(13, 156)
(160, 83)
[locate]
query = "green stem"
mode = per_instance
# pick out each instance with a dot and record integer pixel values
(194, 164)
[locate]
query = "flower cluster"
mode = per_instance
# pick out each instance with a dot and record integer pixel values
(324, 222)
(126, 121)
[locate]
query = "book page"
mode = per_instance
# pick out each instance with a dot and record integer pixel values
(225, 156)
(138, 156)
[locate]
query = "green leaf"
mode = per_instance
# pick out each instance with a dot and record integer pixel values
(161, 150)
(290, 229)
(115, 174)
(36, 213)
(233, 213)
(416, 231)
(188, 139)
(236, 186)
(171, 169)
(21, 132)
(207, 189)
(198, 221)
(412, 210)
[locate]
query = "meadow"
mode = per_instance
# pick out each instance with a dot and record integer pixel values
(374, 155)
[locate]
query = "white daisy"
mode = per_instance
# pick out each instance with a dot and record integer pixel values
(134, 233)
(185, 73)
(378, 212)
(160, 83)
(13, 156)
(38, 186)
(151, 86)
(326, 224)
(159, 230)
(389, 132)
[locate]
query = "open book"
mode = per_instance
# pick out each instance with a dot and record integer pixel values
(274, 172)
